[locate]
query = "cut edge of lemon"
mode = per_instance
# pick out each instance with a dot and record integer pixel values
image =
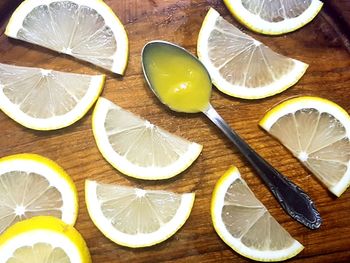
(342, 185)
(322, 105)
(56, 122)
(240, 91)
(138, 240)
(257, 24)
(125, 166)
(217, 203)
(48, 230)
(48, 169)
(111, 19)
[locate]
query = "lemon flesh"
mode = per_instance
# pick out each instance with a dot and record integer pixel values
(45, 99)
(43, 239)
(32, 185)
(274, 17)
(138, 148)
(244, 223)
(241, 66)
(135, 217)
(317, 132)
(87, 30)
(46, 252)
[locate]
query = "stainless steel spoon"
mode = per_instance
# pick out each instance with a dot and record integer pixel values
(291, 197)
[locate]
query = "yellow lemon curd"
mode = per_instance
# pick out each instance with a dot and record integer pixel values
(180, 81)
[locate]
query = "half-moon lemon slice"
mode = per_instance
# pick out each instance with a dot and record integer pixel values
(136, 217)
(85, 29)
(242, 66)
(244, 223)
(43, 99)
(138, 148)
(317, 132)
(276, 16)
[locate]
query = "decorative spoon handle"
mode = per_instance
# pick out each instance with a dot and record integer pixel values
(291, 197)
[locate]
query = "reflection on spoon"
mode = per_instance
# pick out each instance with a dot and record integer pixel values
(182, 83)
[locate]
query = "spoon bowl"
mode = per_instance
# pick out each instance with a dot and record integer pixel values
(174, 85)
(181, 82)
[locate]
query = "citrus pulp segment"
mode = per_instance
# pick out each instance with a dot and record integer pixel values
(244, 223)
(138, 148)
(32, 185)
(241, 66)
(85, 29)
(43, 239)
(43, 99)
(274, 17)
(317, 132)
(135, 217)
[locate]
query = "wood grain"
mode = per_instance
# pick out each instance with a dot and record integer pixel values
(319, 44)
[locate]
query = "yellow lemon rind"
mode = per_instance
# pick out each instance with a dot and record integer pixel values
(257, 24)
(45, 229)
(297, 103)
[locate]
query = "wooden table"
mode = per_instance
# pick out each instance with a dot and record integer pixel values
(322, 44)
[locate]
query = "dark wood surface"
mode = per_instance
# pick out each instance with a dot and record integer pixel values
(321, 44)
(342, 8)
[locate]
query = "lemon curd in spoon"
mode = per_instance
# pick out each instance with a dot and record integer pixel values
(177, 78)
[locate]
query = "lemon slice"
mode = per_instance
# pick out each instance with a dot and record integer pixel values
(274, 17)
(45, 99)
(32, 185)
(317, 132)
(138, 148)
(85, 29)
(43, 239)
(135, 217)
(244, 223)
(241, 66)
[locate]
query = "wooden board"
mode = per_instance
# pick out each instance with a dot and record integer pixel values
(320, 44)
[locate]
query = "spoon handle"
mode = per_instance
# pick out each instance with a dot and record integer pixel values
(291, 197)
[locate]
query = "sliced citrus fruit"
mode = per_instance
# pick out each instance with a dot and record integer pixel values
(135, 217)
(43, 239)
(244, 223)
(32, 185)
(317, 132)
(45, 99)
(85, 29)
(138, 148)
(241, 66)
(274, 17)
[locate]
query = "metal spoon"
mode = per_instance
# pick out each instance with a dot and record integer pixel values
(291, 197)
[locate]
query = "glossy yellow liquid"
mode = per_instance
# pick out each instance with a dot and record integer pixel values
(179, 80)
